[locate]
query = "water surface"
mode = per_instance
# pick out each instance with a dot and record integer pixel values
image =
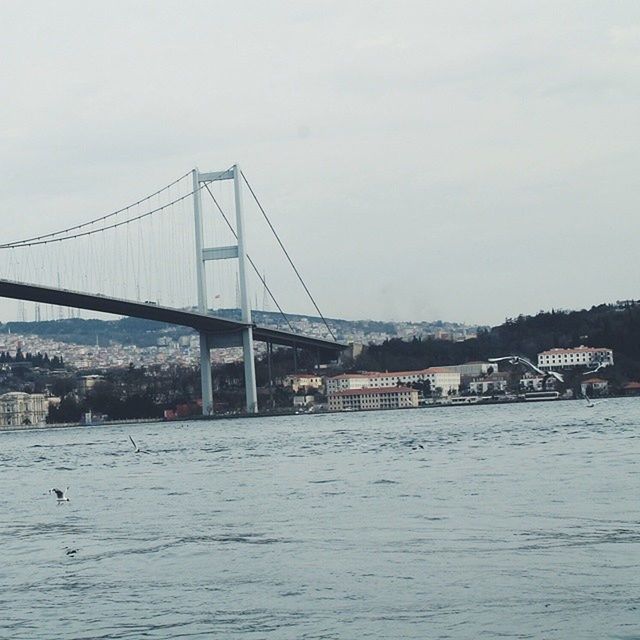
(513, 521)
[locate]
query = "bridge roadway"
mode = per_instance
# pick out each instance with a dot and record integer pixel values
(220, 328)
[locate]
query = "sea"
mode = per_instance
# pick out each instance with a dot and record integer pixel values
(503, 521)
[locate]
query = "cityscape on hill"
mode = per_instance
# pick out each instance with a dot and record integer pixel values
(91, 343)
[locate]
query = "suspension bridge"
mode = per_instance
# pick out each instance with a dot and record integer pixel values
(139, 261)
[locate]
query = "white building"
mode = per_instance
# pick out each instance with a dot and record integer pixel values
(18, 408)
(577, 357)
(438, 377)
(373, 398)
(495, 383)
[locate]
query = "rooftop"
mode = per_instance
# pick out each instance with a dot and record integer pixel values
(392, 374)
(580, 349)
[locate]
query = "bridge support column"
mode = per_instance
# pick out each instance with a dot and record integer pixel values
(205, 376)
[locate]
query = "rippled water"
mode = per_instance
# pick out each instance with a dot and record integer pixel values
(513, 521)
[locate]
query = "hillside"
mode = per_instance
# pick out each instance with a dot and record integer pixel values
(144, 333)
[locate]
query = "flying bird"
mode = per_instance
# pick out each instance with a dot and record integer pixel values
(599, 366)
(527, 363)
(61, 495)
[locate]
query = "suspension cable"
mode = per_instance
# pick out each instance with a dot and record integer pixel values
(30, 241)
(264, 282)
(286, 253)
(101, 229)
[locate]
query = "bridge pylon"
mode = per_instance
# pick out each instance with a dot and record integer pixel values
(204, 254)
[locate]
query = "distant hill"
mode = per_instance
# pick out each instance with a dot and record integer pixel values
(145, 333)
(136, 331)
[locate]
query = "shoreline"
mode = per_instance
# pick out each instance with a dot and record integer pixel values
(213, 418)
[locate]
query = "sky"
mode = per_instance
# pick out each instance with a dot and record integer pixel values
(464, 161)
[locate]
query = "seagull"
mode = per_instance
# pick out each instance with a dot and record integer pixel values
(60, 495)
(527, 363)
(71, 552)
(135, 446)
(598, 367)
(590, 402)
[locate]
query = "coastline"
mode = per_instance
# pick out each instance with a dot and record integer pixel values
(74, 425)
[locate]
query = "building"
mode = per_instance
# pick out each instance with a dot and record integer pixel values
(18, 409)
(578, 357)
(531, 382)
(494, 383)
(631, 388)
(89, 382)
(598, 386)
(474, 369)
(439, 378)
(368, 398)
(303, 381)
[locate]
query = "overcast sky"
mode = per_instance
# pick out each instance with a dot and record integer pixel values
(464, 161)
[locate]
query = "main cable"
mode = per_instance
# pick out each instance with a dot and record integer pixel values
(101, 229)
(286, 253)
(30, 241)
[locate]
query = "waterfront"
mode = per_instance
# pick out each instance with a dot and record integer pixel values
(516, 521)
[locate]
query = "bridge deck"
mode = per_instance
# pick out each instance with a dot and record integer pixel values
(209, 324)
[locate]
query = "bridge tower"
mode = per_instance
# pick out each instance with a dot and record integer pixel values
(237, 251)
